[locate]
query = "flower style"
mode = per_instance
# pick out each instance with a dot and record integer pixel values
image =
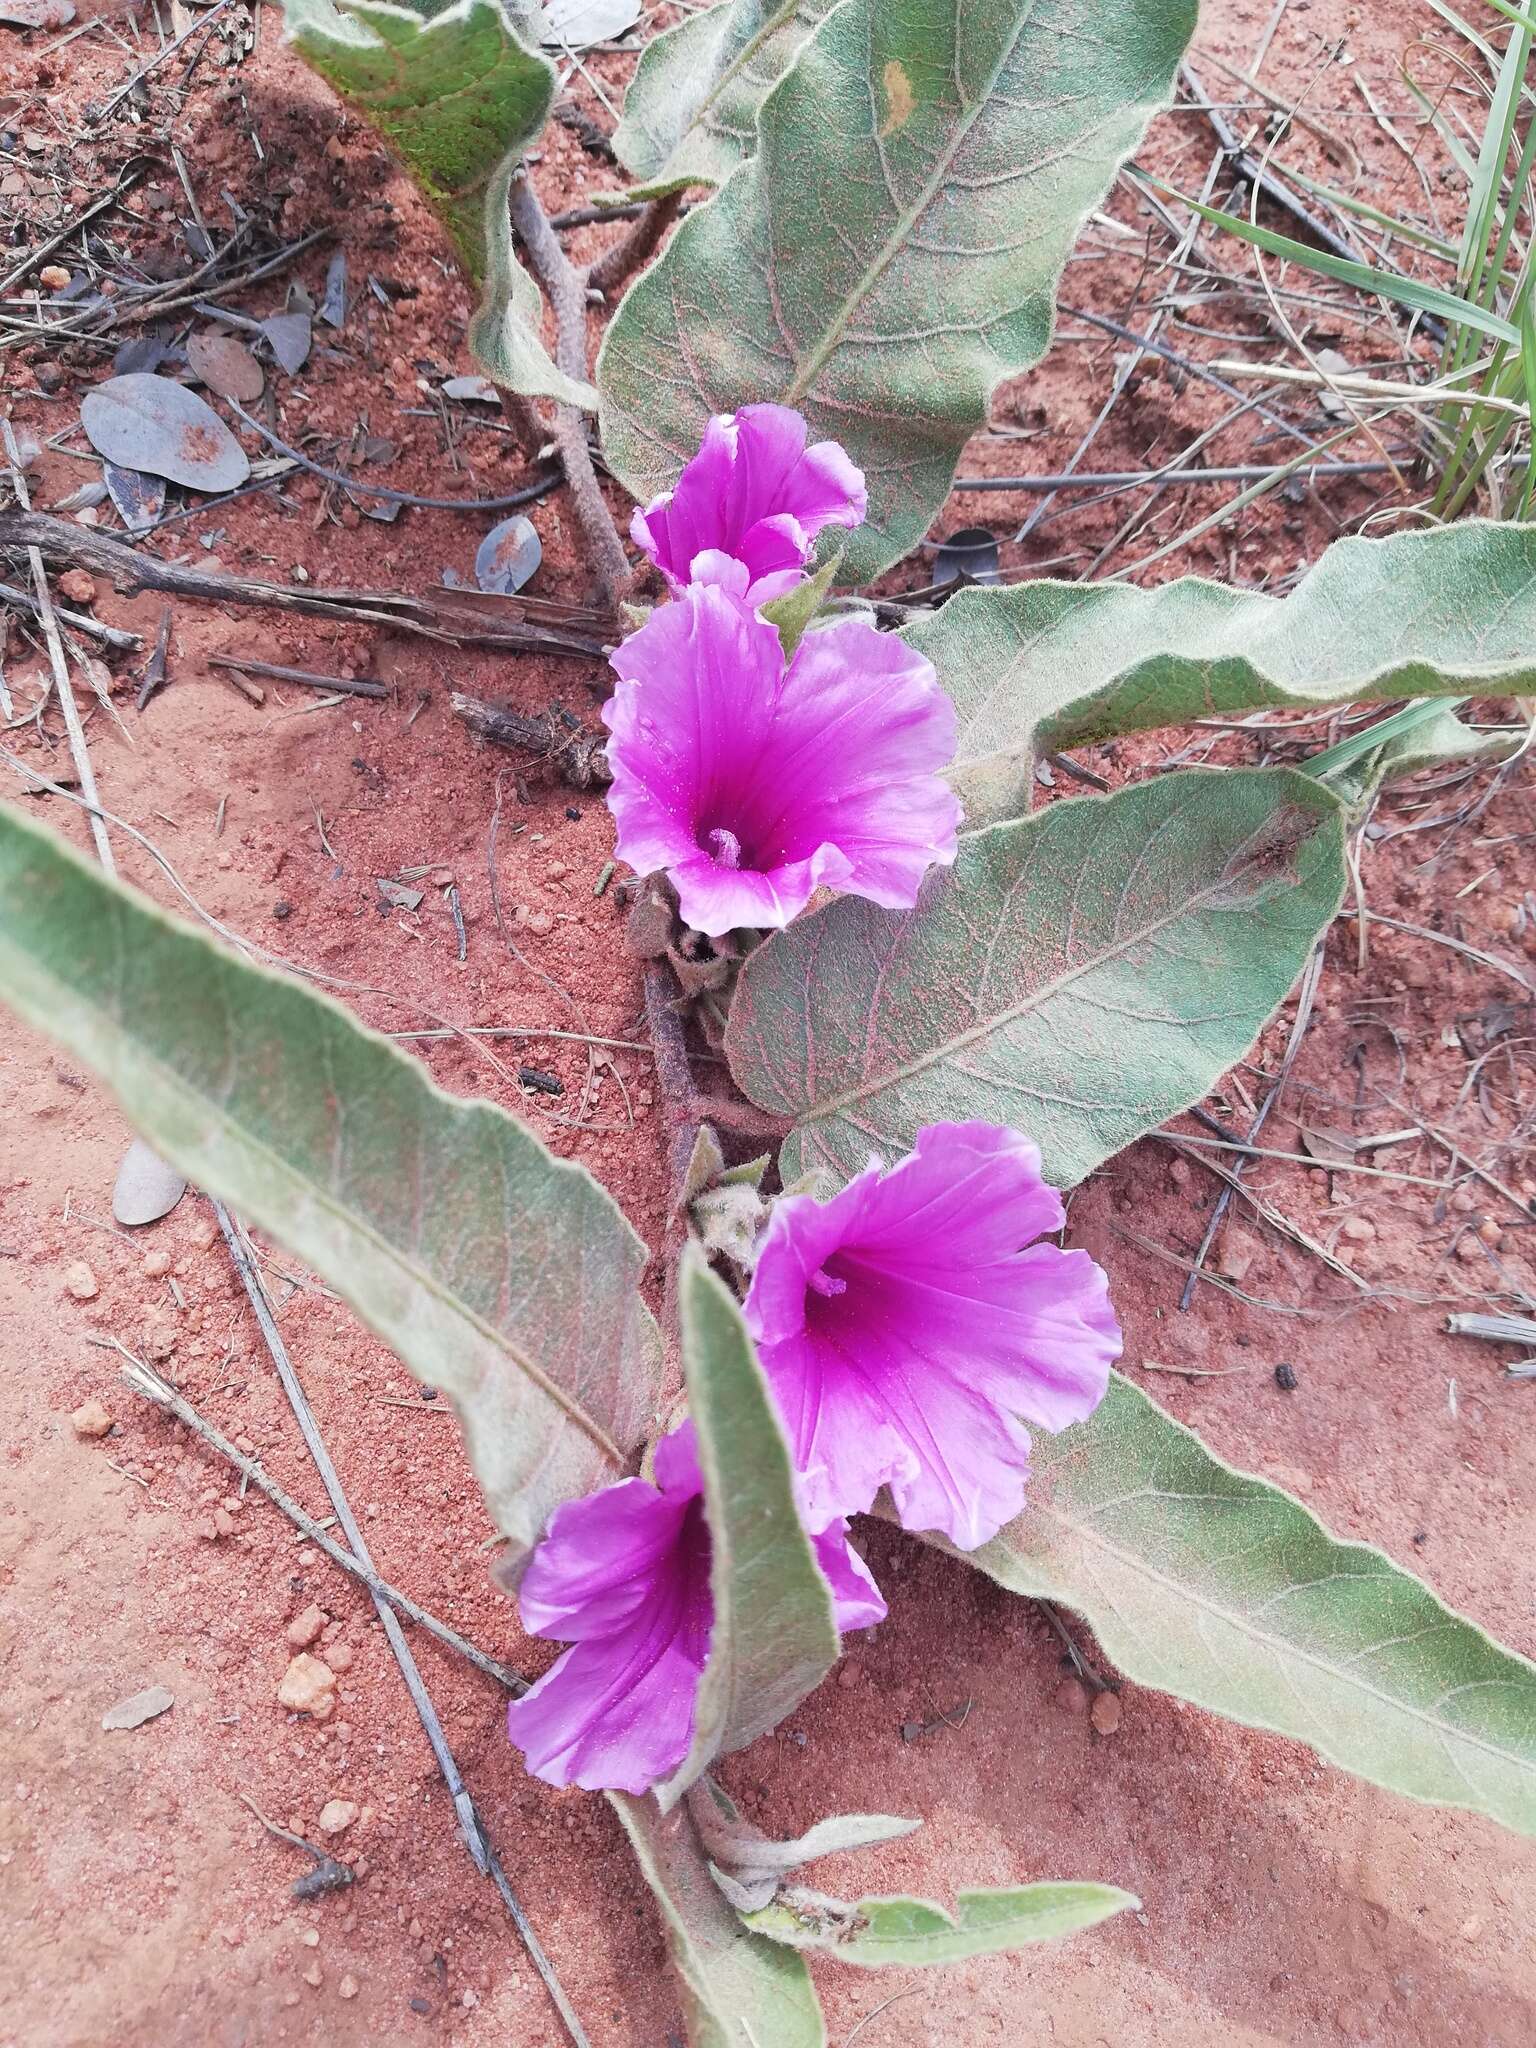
(908, 1325)
(753, 783)
(756, 493)
(623, 1576)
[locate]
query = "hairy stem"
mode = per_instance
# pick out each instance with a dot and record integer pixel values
(626, 256)
(566, 287)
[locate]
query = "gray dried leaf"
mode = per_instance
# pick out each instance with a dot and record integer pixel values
(290, 337)
(396, 895)
(145, 422)
(138, 1708)
(508, 556)
(479, 389)
(138, 496)
(142, 352)
(578, 24)
(225, 365)
(146, 1188)
(969, 555)
(333, 305)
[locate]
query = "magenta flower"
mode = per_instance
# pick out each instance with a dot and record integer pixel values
(623, 1576)
(911, 1326)
(753, 783)
(753, 492)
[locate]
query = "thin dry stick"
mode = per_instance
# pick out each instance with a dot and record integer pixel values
(79, 753)
(567, 290)
(470, 1824)
(145, 1381)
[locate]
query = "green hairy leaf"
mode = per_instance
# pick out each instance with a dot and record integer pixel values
(872, 1932)
(1215, 1586)
(458, 98)
(500, 1274)
(1037, 667)
(1083, 974)
(749, 1866)
(891, 251)
(739, 1988)
(690, 115)
(774, 1639)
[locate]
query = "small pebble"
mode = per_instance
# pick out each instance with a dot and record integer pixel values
(53, 277)
(90, 1419)
(339, 1656)
(540, 922)
(223, 1522)
(80, 1281)
(1358, 1229)
(336, 1816)
(156, 1265)
(1072, 1697)
(313, 1974)
(1105, 1712)
(347, 1988)
(310, 1937)
(307, 1687)
(75, 584)
(1285, 1378)
(304, 1628)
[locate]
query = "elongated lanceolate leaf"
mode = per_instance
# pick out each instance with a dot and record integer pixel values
(872, 1932)
(1041, 666)
(458, 96)
(890, 253)
(497, 1272)
(739, 1988)
(1222, 1589)
(1081, 974)
(773, 1639)
(690, 115)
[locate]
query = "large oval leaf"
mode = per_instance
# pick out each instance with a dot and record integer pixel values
(690, 115)
(459, 97)
(891, 251)
(502, 1275)
(152, 423)
(1042, 665)
(1082, 974)
(739, 1987)
(1214, 1585)
(773, 1638)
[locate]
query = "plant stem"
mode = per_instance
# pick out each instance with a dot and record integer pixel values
(625, 257)
(566, 287)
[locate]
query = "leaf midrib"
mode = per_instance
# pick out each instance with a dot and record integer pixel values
(1137, 1562)
(821, 1112)
(906, 220)
(187, 1094)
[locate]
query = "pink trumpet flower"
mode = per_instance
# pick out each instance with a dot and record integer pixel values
(623, 1577)
(753, 782)
(755, 493)
(911, 1326)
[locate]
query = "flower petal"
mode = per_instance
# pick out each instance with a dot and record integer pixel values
(907, 1326)
(856, 1599)
(599, 1562)
(614, 1715)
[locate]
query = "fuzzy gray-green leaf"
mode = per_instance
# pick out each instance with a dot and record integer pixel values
(690, 114)
(1082, 974)
(891, 251)
(500, 1274)
(1042, 666)
(458, 96)
(739, 1987)
(773, 1639)
(913, 1932)
(1218, 1587)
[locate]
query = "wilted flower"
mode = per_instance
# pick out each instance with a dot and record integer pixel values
(623, 1576)
(752, 782)
(908, 1325)
(756, 493)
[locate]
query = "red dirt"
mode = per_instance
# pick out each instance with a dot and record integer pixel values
(1283, 1902)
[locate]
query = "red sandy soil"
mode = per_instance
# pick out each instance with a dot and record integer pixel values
(144, 1904)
